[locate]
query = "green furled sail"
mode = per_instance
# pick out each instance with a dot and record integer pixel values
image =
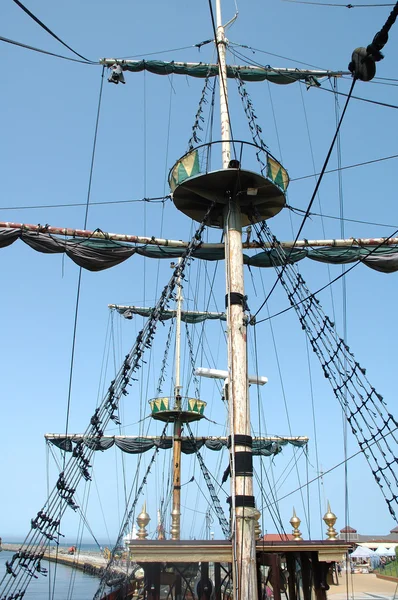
(262, 446)
(191, 316)
(99, 254)
(202, 70)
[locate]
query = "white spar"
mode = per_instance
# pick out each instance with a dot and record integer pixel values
(219, 374)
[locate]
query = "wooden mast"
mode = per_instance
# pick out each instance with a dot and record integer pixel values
(175, 513)
(244, 574)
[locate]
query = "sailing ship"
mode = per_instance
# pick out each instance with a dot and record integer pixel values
(223, 185)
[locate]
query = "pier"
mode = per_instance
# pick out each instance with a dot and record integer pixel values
(90, 562)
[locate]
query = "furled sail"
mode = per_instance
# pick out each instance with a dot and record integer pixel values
(202, 70)
(99, 254)
(188, 316)
(262, 446)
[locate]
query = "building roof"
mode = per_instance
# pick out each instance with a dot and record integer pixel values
(348, 529)
(379, 539)
(351, 534)
(277, 537)
(395, 530)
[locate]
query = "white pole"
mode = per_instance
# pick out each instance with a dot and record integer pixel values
(177, 384)
(219, 374)
(244, 568)
(224, 113)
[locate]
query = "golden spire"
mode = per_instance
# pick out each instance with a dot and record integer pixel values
(295, 523)
(330, 519)
(142, 521)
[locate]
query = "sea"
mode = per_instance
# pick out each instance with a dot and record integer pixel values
(62, 582)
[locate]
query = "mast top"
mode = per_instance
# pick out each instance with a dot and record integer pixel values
(188, 409)
(196, 186)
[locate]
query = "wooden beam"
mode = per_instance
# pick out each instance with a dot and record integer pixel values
(154, 241)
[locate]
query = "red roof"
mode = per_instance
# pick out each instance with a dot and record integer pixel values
(348, 529)
(278, 537)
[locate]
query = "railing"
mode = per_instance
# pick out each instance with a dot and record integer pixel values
(166, 403)
(200, 161)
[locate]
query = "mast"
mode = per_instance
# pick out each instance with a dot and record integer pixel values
(175, 513)
(241, 462)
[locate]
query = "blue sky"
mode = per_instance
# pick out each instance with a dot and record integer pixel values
(48, 109)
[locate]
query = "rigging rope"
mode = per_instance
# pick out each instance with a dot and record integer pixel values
(318, 291)
(77, 303)
(306, 83)
(281, 379)
(192, 360)
(366, 410)
(27, 47)
(157, 200)
(362, 65)
(345, 332)
(323, 473)
(162, 374)
(221, 77)
(276, 518)
(217, 506)
(124, 529)
(314, 194)
(37, 20)
(361, 164)
(45, 526)
(195, 139)
(339, 5)
(255, 129)
(315, 430)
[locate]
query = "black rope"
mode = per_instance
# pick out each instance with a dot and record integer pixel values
(124, 529)
(45, 526)
(162, 374)
(362, 65)
(307, 212)
(217, 505)
(367, 100)
(366, 410)
(339, 5)
(80, 269)
(381, 37)
(306, 83)
(314, 294)
(323, 473)
(271, 490)
(195, 139)
(155, 200)
(27, 47)
(361, 164)
(37, 20)
(255, 129)
(192, 360)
